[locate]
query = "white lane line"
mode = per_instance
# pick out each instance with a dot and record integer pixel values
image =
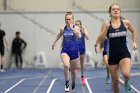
(121, 81)
(50, 87)
(35, 76)
(136, 91)
(43, 76)
(96, 77)
(14, 77)
(14, 86)
(23, 76)
(87, 84)
(42, 81)
(135, 74)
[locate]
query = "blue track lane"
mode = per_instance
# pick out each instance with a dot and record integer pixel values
(40, 80)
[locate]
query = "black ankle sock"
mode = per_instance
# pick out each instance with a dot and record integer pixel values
(1, 66)
(67, 83)
(73, 85)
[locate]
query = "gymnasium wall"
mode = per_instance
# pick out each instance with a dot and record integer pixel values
(39, 28)
(63, 5)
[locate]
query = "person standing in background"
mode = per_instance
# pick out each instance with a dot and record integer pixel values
(18, 45)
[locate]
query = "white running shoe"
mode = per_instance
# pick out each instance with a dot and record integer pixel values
(2, 70)
(66, 88)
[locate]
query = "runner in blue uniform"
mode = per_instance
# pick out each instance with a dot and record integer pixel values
(69, 52)
(105, 59)
(119, 56)
(82, 47)
(104, 49)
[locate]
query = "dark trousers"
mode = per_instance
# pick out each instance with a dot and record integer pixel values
(18, 57)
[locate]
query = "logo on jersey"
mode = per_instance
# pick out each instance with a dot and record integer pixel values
(118, 34)
(68, 34)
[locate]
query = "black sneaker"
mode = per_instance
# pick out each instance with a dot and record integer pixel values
(73, 88)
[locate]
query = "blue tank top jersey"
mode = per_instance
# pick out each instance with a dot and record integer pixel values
(81, 41)
(69, 39)
(106, 45)
(117, 38)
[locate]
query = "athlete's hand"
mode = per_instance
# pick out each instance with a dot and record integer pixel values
(134, 46)
(83, 29)
(71, 26)
(54, 44)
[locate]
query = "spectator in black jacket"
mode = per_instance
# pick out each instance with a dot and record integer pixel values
(18, 45)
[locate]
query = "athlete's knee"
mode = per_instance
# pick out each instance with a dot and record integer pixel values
(115, 82)
(73, 71)
(126, 75)
(66, 66)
